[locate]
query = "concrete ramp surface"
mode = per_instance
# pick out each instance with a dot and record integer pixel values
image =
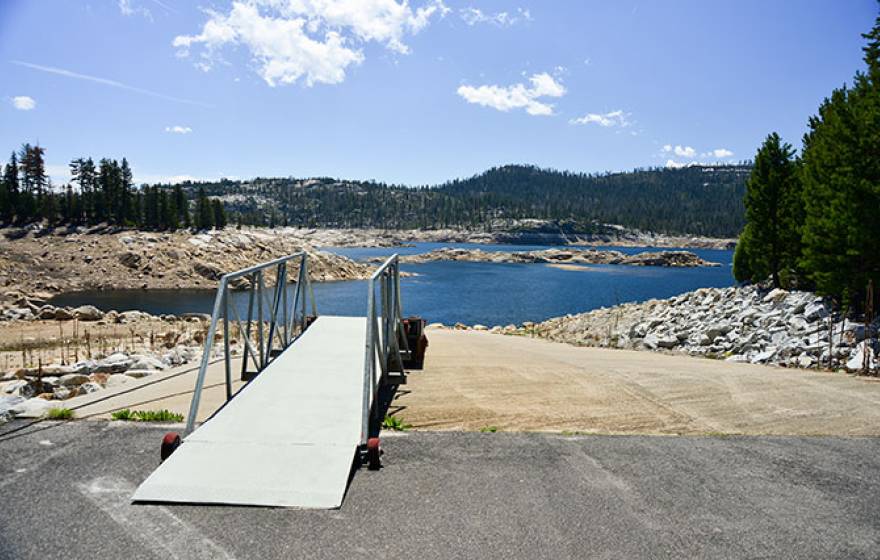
(287, 439)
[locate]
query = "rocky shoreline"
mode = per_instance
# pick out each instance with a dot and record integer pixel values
(737, 324)
(37, 264)
(614, 237)
(562, 257)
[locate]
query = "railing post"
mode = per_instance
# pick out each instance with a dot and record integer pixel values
(284, 304)
(227, 362)
(206, 357)
(260, 317)
(369, 362)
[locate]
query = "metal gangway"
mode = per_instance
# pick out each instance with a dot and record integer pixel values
(310, 410)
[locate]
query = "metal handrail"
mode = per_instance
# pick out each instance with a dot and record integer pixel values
(284, 328)
(385, 342)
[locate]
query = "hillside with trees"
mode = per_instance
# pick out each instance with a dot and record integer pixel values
(697, 200)
(700, 200)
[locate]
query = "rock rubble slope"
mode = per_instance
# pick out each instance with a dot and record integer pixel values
(738, 324)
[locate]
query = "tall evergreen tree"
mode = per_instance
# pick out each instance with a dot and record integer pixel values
(182, 205)
(773, 213)
(842, 184)
(11, 188)
(126, 179)
(218, 213)
(204, 218)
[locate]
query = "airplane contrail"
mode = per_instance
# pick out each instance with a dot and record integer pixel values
(106, 82)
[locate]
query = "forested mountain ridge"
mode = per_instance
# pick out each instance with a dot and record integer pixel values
(696, 200)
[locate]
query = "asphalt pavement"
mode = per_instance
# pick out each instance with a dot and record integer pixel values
(65, 489)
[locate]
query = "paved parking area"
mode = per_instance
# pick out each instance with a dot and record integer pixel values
(65, 491)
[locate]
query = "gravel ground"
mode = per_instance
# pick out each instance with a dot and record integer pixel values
(65, 492)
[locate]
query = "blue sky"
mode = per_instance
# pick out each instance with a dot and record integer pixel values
(416, 92)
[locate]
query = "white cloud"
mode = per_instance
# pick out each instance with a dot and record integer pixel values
(684, 151)
(614, 118)
(316, 40)
(104, 81)
(127, 9)
(670, 164)
(517, 96)
(177, 129)
(473, 16)
(23, 103)
(691, 153)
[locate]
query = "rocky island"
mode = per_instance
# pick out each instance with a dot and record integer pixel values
(562, 257)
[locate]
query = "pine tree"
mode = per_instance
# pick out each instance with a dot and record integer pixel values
(219, 213)
(773, 212)
(742, 269)
(11, 189)
(841, 179)
(182, 205)
(126, 209)
(204, 218)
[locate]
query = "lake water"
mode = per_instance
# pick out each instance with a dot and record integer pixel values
(449, 292)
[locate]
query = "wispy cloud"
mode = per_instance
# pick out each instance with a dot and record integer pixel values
(613, 119)
(177, 129)
(23, 102)
(126, 8)
(472, 16)
(516, 96)
(165, 6)
(106, 82)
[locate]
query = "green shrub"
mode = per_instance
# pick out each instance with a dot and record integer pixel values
(489, 429)
(395, 424)
(124, 414)
(59, 414)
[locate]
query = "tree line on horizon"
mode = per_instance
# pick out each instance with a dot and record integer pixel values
(697, 200)
(813, 220)
(98, 194)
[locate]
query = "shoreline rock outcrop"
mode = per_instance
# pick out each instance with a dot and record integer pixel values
(39, 264)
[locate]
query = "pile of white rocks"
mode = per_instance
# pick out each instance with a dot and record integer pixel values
(738, 324)
(31, 391)
(29, 310)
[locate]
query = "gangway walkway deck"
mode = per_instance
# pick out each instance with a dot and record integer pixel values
(291, 436)
(287, 439)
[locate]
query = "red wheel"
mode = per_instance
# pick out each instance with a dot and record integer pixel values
(374, 453)
(170, 442)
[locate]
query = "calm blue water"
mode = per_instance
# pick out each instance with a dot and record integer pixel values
(449, 292)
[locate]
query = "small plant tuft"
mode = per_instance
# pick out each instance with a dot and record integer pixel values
(147, 415)
(395, 424)
(124, 414)
(59, 414)
(489, 429)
